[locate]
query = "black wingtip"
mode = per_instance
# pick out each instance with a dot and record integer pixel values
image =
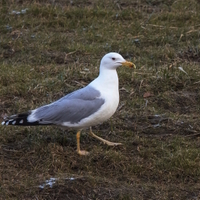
(19, 120)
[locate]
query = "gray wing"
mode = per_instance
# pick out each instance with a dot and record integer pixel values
(86, 93)
(71, 108)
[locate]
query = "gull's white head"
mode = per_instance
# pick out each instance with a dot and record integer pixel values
(113, 60)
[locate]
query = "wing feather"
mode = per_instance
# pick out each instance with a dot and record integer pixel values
(71, 108)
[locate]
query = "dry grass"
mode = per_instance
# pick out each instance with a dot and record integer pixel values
(51, 50)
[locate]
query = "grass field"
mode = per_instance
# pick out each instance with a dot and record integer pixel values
(49, 48)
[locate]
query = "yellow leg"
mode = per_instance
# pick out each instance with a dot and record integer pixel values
(103, 140)
(80, 152)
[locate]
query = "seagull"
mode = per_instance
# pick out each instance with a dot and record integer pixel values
(83, 108)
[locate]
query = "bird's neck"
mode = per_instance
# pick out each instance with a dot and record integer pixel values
(107, 78)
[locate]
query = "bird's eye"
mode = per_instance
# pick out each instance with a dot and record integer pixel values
(113, 58)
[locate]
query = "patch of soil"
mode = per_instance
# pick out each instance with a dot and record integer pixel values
(192, 54)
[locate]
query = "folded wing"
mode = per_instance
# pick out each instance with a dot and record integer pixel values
(72, 108)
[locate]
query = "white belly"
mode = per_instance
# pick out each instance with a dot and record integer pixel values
(108, 87)
(103, 114)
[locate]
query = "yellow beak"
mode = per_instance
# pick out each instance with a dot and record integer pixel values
(129, 64)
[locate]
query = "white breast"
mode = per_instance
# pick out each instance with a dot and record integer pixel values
(107, 85)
